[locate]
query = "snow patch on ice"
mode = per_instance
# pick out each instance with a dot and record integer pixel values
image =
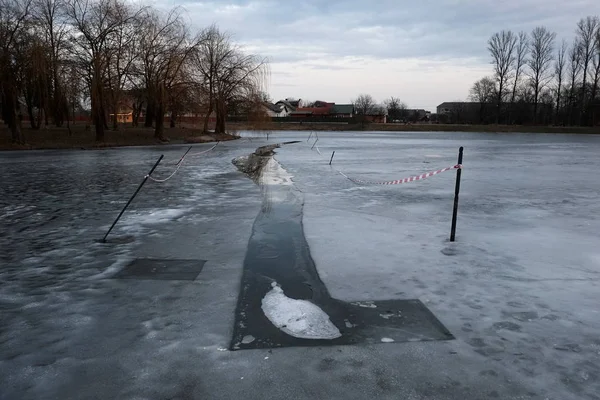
(248, 339)
(298, 318)
(387, 340)
(159, 215)
(389, 315)
(274, 174)
(365, 304)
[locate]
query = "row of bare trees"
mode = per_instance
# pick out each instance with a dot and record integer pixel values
(535, 80)
(57, 56)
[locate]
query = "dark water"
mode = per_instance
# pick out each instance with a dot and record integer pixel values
(278, 253)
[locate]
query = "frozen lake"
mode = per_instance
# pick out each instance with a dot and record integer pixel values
(518, 289)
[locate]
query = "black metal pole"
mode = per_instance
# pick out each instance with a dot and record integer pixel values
(332, 154)
(456, 191)
(132, 197)
(185, 154)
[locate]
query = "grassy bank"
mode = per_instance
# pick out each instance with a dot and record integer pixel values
(84, 138)
(418, 128)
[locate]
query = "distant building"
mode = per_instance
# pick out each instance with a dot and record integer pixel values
(293, 102)
(465, 112)
(277, 110)
(342, 111)
(320, 109)
(289, 107)
(449, 107)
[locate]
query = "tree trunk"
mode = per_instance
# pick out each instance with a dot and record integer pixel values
(11, 113)
(60, 104)
(220, 126)
(207, 117)
(39, 118)
(173, 118)
(97, 109)
(499, 100)
(150, 112)
(536, 94)
(115, 119)
(135, 114)
(593, 95)
(46, 115)
(32, 119)
(15, 129)
(159, 129)
(99, 123)
(557, 117)
(104, 119)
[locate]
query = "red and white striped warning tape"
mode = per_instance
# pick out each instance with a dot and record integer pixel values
(405, 180)
(395, 182)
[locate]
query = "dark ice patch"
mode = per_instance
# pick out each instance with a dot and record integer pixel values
(278, 252)
(125, 239)
(161, 269)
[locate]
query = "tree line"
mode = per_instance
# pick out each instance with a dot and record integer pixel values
(536, 80)
(57, 56)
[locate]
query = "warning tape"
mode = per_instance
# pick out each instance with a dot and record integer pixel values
(202, 152)
(405, 180)
(394, 182)
(179, 164)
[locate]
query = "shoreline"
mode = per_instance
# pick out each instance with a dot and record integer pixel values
(393, 127)
(83, 139)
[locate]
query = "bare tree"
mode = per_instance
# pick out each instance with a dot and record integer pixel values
(241, 77)
(121, 53)
(50, 16)
(574, 71)
(214, 47)
(587, 36)
(595, 75)
(14, 18)
(364, 105)
(483, 92)
(35, 64)
(540, 62)
(396, 109)
(166, 47)
(559, 72)
(520, 60)
(230, 78)
(95, 22)
(502, 49)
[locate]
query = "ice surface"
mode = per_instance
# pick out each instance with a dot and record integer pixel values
(298, 318)
(519, 288)
(273, 174)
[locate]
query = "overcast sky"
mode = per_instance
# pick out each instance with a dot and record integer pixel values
(424, 52)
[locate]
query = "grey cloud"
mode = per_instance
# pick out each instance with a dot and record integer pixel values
(437, 30)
